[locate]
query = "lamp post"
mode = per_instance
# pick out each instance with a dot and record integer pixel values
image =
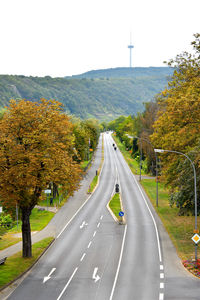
(156, 166)
(195, 186)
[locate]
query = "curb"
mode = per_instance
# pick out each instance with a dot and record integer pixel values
(29, 268)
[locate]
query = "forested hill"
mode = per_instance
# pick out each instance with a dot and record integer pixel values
(104, 95)
(137, 72)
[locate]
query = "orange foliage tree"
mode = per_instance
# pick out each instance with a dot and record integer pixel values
(36, 148)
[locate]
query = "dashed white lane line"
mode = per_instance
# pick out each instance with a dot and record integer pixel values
(94, 234)
(84, 254)
(101, 217)
(162, 275)
(89, 244)
(161, 296)
(67, 284)
(161, 285)
(98, 225)
(161, 267)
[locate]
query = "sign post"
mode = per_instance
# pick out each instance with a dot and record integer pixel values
(47, 192)
(121, 214)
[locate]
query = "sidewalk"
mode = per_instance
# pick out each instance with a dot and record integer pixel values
(65, 213)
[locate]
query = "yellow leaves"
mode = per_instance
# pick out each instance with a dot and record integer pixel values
(36, 141)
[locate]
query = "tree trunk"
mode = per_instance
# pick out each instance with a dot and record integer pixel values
(26, 232)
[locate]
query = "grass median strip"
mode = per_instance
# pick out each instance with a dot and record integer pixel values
(15, 265)
(115, 205)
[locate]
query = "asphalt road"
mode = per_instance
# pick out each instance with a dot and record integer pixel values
(94, 258)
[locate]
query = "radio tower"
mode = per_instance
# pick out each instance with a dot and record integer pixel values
(130, 47)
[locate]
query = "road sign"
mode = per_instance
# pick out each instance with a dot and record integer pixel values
(196, 238)
(47, 191)
(121, 213)
(196, 231)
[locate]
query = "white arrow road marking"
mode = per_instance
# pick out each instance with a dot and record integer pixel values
(49, 276)
(95, 276)
(83, 224)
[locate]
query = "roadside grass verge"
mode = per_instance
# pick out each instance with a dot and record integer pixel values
(15, 265)
(95, 180)
(179, 228)
(133, 164)
(38, 220)
(115, 205)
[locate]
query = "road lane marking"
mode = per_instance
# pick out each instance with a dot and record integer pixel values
(89, 244)
(161, 296)
(48, 276)
(161, 285)
(67, 283)
(162, 275)
(81, 205)
(84, 254)
(154, 222)
(98, 225)
(119, 263)
(94, 234)
(101, 217)
(161, 267)
(83, 224)
(95, 276)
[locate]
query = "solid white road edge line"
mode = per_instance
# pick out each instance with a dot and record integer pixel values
(119, 264)
(154, 222)
(145, 201)
(67, 284)
(79, 208)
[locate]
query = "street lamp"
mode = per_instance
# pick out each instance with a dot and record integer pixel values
(195, 186)
(156, 166)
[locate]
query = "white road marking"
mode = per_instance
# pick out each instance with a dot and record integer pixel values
(94, 234)
(101, 217)
(79, 207)
(95, 276)
(162, 275)
(119, 263)
(98, 225)
(154, 222)
(161, 296)
(49, 276)
(161, 267)
(161, 285)
(83, 224)
(89, 244)
(67, 284)
(84, 254)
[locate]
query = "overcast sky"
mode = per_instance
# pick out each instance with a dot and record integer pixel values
(68, 37)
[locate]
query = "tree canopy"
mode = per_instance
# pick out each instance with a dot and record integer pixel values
(36, 148)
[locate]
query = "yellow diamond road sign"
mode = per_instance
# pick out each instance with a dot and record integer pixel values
(196, 238)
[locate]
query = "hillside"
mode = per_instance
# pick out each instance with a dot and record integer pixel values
(103, 94)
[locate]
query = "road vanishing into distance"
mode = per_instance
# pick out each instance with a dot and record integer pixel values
(94, 258)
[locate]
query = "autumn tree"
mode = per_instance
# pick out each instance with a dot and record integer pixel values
(36, 148)
(178, 124)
